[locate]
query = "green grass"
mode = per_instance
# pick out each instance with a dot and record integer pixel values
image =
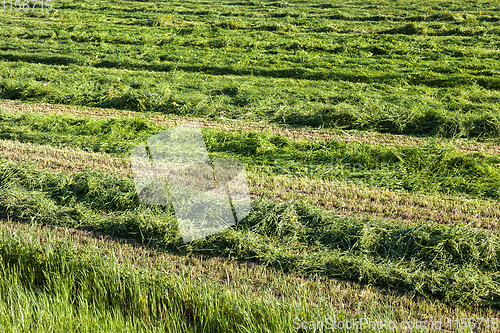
(54, 288)
(429, 260)
(427, 168)
(426, 68)
(52, 284)
(400, 67)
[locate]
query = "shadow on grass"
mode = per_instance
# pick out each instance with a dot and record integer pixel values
(39, 59)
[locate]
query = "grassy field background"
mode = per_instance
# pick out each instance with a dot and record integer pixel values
(370, 132)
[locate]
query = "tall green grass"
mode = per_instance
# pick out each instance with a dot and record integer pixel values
(52, 288)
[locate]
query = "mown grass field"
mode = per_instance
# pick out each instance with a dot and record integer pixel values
(369, 130)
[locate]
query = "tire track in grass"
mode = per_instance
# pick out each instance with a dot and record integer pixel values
(343, 198)
(235, 125)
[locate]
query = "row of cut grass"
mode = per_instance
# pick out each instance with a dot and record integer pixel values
(408, 69)
(426, 168)
(430, 260)
(345, 199)
(235, 125)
